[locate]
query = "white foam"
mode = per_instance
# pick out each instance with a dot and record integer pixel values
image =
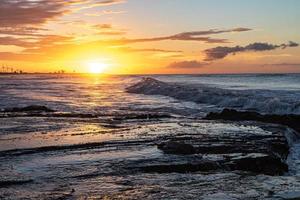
(264, 101)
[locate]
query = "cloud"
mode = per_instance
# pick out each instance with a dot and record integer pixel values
(106, 2)
(25, 17)
(221, 52)
(129, 49)
(14, 13)
(104, 12)
(111, 32)
(14, 41)
(36, 43)
(192, 64)
(284, 64)
(103, 26)
(187, 36)
(21, 31)
(107, 29)
(93, 4)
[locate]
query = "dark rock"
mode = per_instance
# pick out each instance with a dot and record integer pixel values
(253, 163)
(172, 147)
(32, 108)
(8, 183)
(292, 121)
(203, 166)
(220, 149)
(265, 164)
(73, 115)
(143, 116)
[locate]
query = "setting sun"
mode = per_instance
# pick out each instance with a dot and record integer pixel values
(97, 67)
(144, 99)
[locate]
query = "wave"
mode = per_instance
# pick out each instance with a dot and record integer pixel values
(264, 101)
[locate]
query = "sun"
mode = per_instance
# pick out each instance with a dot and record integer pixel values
(97, 67)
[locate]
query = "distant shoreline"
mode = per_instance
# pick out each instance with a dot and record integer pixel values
(50, 73)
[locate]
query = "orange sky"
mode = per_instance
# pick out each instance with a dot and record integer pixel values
(150, 36)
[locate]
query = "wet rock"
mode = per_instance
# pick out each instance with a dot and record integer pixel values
(222, 149)
(73, 115)
(42, 112)
(7, 183)
(172, 147)
(263, 151)
(253, 163)
(292, 121)
(289, 195)
(203, 166)
(143, 116)
(257, 163)
(32, 108)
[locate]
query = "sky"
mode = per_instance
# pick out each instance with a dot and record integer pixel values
(150, 36)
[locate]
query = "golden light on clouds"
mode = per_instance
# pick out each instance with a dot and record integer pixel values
(51, 35)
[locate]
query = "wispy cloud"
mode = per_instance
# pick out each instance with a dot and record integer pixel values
(107, 29)
(93, 4)
(221, 51)
(25, 17)
(14, 41)
(192, 64)
(285, 64)
(103, 26)
(104, 12)
(201, 36)
(129, 49)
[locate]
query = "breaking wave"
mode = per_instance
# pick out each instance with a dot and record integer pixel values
(264, 101)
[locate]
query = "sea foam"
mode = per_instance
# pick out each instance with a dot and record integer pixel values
(264, 101)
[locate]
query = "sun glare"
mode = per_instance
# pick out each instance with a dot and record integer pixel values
(97, 67)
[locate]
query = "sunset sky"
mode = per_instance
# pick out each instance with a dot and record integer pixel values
(151, 36)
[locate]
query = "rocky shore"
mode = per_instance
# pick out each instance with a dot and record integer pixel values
(292, 121)
(151, 155)
(256, 153)
(263, 150)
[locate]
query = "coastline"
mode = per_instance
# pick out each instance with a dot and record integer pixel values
(149, 153)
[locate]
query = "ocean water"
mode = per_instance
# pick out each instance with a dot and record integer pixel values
(274, 93)
(63, 157)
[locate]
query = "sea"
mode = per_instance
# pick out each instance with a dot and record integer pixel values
(265, 93)
(99, 133)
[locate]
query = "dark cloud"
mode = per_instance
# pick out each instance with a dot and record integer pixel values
(221, 52)
(14, 13)
(21, 21)
(187, 64)
(290, 44)
(187, 36)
